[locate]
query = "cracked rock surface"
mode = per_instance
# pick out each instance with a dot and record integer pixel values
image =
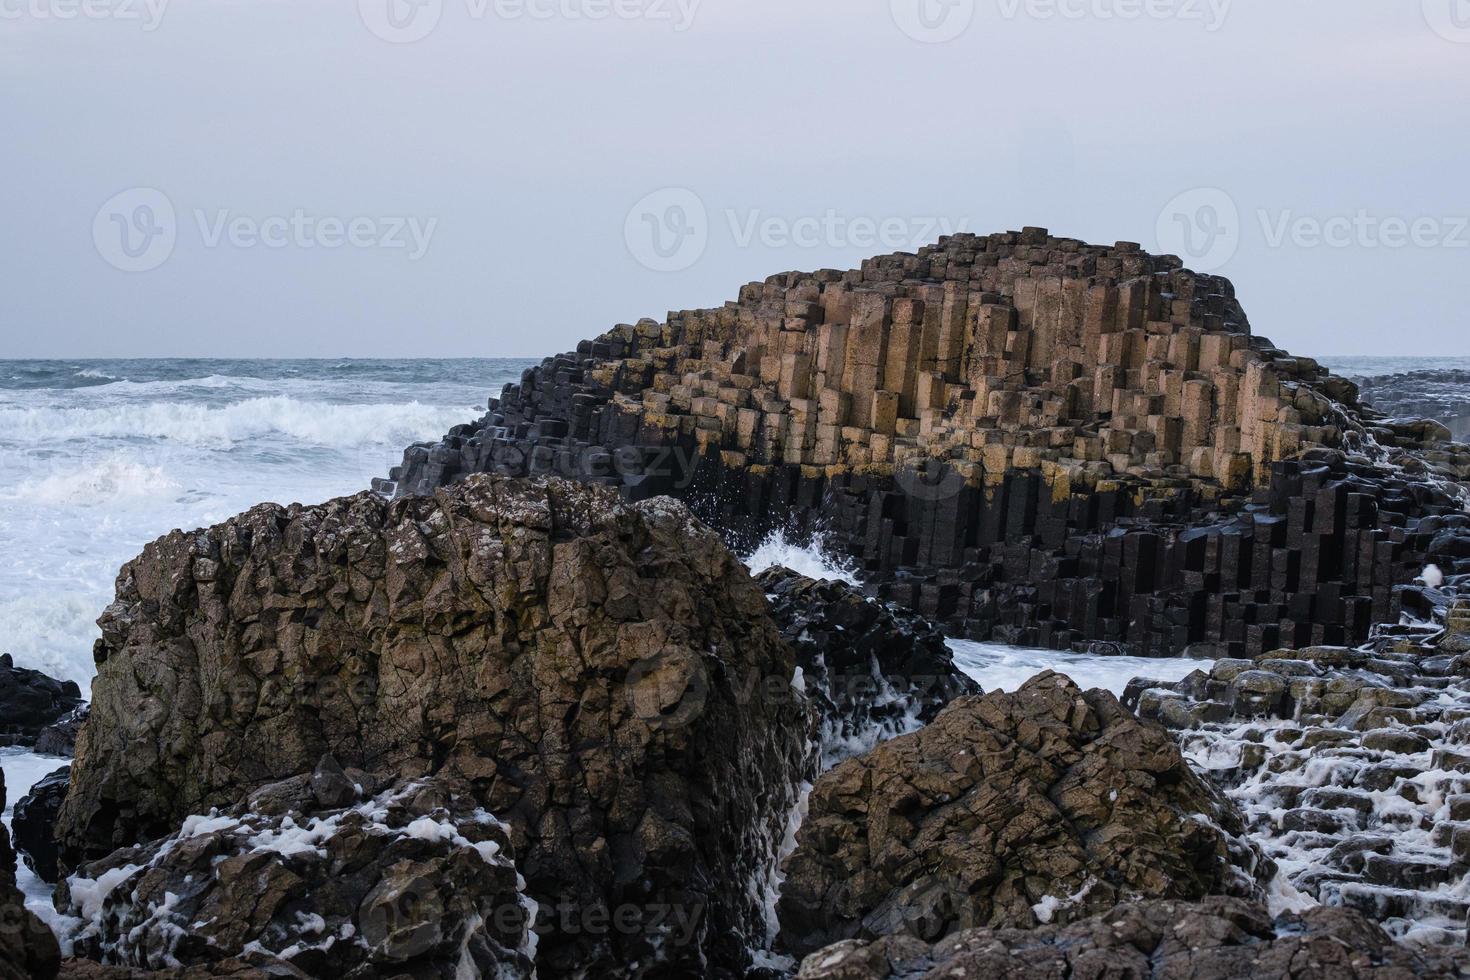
(1214, 939)
(583, 663)
(1009, 810)
(311, 877)
(28, 950)
(873, 669)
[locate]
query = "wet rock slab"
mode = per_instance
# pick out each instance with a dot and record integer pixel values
(30, 701)
(315, 877)
(33, 823)
(874, 670)
(1213, 939)
(28, 950)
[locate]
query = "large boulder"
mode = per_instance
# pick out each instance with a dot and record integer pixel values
(34, 823)
(585, 664)
(874, 669)
(1020, 809)
(30, 701)
(28, 950)
(313, 877)
(1214, 939)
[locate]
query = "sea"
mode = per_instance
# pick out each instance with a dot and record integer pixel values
(99, 457)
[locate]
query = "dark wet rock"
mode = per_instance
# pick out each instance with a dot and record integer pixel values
(28, 950)
(873, 669)
(417, 881)
(1025, 438)
(586, 664)
(1440, 394)
(1395, 741)
(60, 737)
(29, 701)
(1045, 805)
(75, 969)
(1213, 939)
(34, 823)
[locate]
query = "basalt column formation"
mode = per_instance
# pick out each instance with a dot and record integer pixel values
(1024, 437)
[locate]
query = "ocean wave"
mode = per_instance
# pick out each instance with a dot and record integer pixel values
(94, 373)
(809, 560)
(223, 426)
(100, 483)
(52, 631)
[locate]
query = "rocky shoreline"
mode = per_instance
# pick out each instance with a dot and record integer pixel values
(510, 721)
(1441, 395)
(1022, 437)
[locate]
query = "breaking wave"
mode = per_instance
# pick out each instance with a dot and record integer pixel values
(219, 427)
(809, 560)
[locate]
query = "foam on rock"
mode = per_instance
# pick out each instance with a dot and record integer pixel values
(1352, 767)
(28, 950)
(873, 671)
(416, 880)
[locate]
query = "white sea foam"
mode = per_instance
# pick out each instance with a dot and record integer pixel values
(1001, 668)
(809, 560)
(52, 631)
(202, 425)
(90, 474)
(23, 769)
(96, 483)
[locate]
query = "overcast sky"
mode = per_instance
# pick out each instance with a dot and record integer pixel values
(483, 177)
